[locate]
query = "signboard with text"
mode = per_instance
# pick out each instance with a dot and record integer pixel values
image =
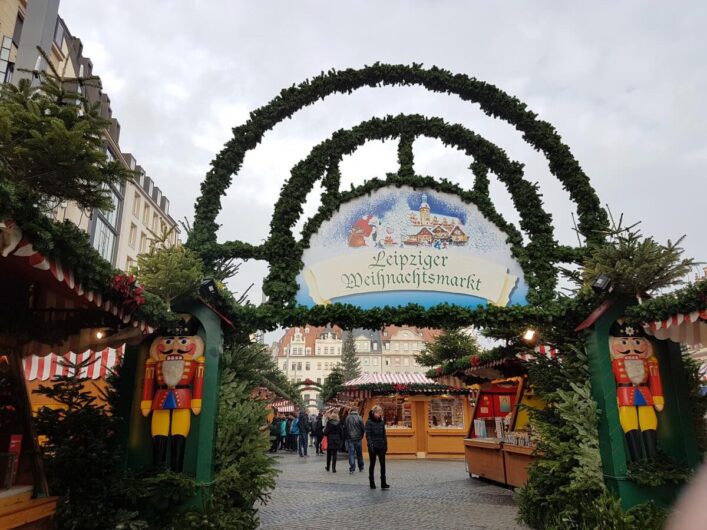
(400, 246)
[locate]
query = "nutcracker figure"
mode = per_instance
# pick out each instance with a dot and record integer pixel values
(639, 390)
(172, 391)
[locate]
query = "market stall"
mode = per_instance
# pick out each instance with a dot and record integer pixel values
(424, 419)
(499, 446)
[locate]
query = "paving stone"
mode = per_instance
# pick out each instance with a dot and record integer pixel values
(424, 494)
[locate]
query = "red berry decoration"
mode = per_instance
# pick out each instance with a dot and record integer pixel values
(475, 360)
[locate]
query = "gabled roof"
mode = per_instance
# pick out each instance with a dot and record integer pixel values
(391, 378)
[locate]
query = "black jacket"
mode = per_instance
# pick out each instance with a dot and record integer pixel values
(319, 427)
(375, 434)
(334, 434)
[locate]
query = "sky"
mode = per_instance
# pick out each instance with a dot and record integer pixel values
(624, 84)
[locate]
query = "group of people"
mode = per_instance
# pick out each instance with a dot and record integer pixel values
(329, 435)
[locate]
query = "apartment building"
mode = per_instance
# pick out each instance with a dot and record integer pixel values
(311, 352)
(33, 37)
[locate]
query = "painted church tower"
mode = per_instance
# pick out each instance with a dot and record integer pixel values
(424, 210)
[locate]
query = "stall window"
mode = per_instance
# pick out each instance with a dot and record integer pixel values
(397, 413)
(446, 413)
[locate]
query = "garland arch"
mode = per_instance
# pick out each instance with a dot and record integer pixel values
(283, 252)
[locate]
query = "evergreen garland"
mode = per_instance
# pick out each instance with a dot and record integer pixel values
(284, 253)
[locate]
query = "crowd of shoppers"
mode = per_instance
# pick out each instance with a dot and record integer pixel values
(328, 435)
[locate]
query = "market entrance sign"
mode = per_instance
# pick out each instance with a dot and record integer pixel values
(401, 245)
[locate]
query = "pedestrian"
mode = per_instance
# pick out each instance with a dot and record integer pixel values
(283, 432)
(334, 437)
(318, 432)
(354, 434)
(303, 425)
(274, 432)
(290, 418)
(312, 420)
(294, 432)
(377, 444)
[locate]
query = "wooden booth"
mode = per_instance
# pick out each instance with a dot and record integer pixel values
(45, 310)
(424, 419)
(499, 445)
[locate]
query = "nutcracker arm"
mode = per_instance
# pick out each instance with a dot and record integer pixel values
(655, 384)
(148, 387)
(198, 388)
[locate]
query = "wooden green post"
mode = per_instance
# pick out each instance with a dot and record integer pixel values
(675, 429)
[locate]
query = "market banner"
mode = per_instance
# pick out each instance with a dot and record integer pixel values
(400, 245)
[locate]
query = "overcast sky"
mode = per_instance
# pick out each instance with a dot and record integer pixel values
(625, 84)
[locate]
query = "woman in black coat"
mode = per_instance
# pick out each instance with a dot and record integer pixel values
(377, 444)
(334, 435)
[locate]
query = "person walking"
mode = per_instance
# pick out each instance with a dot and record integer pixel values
(334, 437)
(294, 433)
(377, 445)
(354, 434)
(274, 434)
(283, 433)
(303, 425)
(318, 432)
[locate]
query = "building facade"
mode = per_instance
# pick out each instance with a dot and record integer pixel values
(311, 352)
(33, 37)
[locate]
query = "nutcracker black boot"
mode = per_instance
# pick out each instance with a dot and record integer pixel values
(633, 439)
(177, 456)
(650, 441)
(159, 450)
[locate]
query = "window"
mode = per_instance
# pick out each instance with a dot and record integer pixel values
(112, 215)
(365, 361)
(284, 366)
(406, 362)
(319, 380)
(129, 264)
(397, 413)
(143, 243)
(155, 222)
(326, 350)
(59, 33)
(104, 240)
(387, 345)
(306, 398)
(319, 350)
(396, 361)
(299, 366)
(146, 215)
(396, 346)
(137, 200)
(294, 366)
(405, 346)
(133, 235)
(319, 366)
(309, 351)
(374, 361)
(6, 66)
(375, 346)
(306, 366)
(446, 413)
(17, 33)
(306, 330)
(387, 362)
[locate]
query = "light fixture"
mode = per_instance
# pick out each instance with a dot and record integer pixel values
(529, 335)
(207, 288)
(602, 284)
(100, 334)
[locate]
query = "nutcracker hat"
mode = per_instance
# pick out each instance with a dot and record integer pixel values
(184, 327)
(627, 329)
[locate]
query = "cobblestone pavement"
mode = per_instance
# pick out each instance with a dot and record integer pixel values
(424, 494)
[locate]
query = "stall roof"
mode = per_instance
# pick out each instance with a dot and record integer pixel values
(391, 378)
(91, 364)
(688, 328)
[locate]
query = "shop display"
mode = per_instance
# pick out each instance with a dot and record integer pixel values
(396, 412)
(446, 413)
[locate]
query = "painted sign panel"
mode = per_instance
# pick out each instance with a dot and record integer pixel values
(400, 246)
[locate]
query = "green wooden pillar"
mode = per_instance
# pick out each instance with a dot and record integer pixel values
(199, 453)
(675, 429)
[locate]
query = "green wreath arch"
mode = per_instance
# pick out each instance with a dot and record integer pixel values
(283, 252)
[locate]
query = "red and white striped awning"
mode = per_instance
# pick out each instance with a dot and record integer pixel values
(283, 406)
(12, 243)
(391, 378)
(543, 349)
(97, 364)
(688, 328)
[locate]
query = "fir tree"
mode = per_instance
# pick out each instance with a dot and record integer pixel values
(169, 272)
(52, 148)
(350, 364)
(449, 346)
(333, 383)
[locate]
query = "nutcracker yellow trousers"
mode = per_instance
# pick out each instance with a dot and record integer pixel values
(180, 422)
(642, 418)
